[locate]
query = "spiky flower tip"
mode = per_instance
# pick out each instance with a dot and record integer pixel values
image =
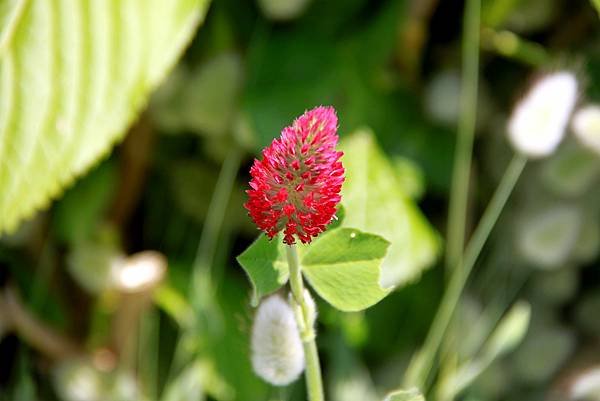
(295, 186)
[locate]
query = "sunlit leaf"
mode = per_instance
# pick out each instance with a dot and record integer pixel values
(375, 202)
(264, 262)
(73, 75)
(344, 268)
(410, 177)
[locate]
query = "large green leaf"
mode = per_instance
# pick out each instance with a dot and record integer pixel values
(374, 201)
(343, 266)
(73, 76)
(264, 262)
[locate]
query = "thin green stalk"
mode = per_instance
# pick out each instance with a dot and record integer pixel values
(201, 289)
(465, 134)
(148, 352)
(214, 220)
(420, 367)
(314, 383)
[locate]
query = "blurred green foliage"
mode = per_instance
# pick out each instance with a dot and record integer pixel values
(391, 68)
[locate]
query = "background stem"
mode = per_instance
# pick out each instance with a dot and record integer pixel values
(314, 383)
(201, 286)
(466, 133)
(421, 365)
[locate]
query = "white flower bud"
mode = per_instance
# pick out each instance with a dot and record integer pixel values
(77, 380)
(139, 272)
(440, 97)
(538, 122)
(277, 353)
(586, 126)
(586, 385)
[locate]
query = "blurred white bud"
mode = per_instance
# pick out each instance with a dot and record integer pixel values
(586, 126)
(440, 97)
(139, 272)
(77, 380)
(586, 386)
(277, 353)
(283, 9)
(125, 387)
(537, 124)
(547, 237)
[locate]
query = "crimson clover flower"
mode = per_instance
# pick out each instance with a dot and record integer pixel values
(296, 185)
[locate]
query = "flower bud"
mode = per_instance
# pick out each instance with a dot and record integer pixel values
(586, 126)
(295, 186)
(538, 123)
(277, 353)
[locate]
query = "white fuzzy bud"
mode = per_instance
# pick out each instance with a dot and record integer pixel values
(537, 124)
(277, 353)
(586, 126)
(440, 97)
(586, 385)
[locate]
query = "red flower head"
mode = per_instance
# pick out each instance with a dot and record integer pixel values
(296, 185)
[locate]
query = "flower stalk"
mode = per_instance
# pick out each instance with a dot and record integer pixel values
(305, 321)
(421, 366)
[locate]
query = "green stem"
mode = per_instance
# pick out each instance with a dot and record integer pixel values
(314, 383)
(214, 221)
(201, 288)
(466, 133)
(420, 367)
